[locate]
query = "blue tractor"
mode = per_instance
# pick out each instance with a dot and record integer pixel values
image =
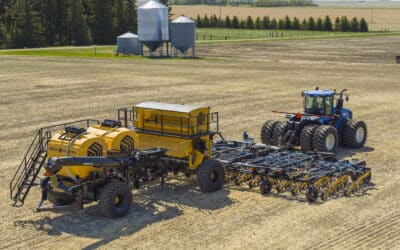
(322, 127)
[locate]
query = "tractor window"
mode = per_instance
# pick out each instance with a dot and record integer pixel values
(328, 105)
(314, 105)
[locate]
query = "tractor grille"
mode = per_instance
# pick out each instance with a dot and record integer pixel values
(95, 150)
(127, 144)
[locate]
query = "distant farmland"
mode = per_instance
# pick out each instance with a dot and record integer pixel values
(382, 18)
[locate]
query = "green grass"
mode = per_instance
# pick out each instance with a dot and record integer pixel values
(203, 35)
(88, 52)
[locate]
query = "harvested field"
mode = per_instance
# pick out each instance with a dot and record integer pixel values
(382, 18)
(243, 82)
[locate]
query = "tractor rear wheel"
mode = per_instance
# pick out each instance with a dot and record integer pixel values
(267, 130)
(280, 130)
(210, 176)
(355, 134)
(306, 138)
(325, 139)
(115, 199)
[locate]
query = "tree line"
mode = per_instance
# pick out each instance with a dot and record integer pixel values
(40, 23)
(342, 24)
(255, 3)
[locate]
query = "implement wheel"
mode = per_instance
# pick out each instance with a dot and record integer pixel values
(312, 194)
(115, 199)
(210, 176)
(266, 132)
(265, 186)
(355, 134)
(325, 139)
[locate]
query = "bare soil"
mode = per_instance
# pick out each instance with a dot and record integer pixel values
(244, 82)
(379, 17)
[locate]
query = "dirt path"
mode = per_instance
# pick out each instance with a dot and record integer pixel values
(242, 82)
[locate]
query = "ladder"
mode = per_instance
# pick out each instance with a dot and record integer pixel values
(28, 170)
(34, 159)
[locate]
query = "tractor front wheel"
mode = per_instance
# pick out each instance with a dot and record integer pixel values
(266, 132)
(115, 199)
(210, 176)
(355, 134)
(325, 139)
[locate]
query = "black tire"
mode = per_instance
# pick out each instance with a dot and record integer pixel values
(306, 137)
(355, 134)
(312, 194)
(115, 199)
(59, 198)
(265, 186)
(279, 132)
(266, 131)
(325, 139)
(210, 176)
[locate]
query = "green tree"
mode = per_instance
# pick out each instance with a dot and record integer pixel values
(206, 22)
(296, 24)
(227, 23)
(274, 23)
(249, 23)
(213, 21)
(288, 23)
(2, 36)
(363, 25)
(120, 17)
(61, 26)
(328, 23)
(79, 29)
(345, 24)
(131, 16)
(355, 25)
(258, 23)
(242, 24)
(199, 23)
(320, 24)
(104, 30)
(338, 25)
(304, 25)
(281, 24)
(26, 27)
(235, 22)
(265, 23)
(311, 24)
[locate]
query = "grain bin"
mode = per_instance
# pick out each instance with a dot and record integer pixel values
(128, 44)
(183, 35)
(140, 3)
(153, 24)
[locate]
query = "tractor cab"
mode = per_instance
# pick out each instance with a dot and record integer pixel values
(319, 102)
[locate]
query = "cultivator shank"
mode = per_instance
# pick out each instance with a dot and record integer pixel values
(317, 175)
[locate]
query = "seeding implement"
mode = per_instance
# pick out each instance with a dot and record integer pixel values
(322, 126)
(315, 174)
(87, 161)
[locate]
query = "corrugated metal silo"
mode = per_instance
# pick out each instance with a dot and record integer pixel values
(140, 3)
(153, 24)
(183, 34)
(128, 43)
